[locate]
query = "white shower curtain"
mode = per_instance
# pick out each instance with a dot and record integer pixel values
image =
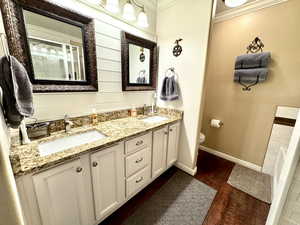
(10, 208)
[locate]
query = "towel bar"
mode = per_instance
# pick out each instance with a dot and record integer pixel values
(248, 87)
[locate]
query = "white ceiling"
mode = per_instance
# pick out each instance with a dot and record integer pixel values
(221, 6)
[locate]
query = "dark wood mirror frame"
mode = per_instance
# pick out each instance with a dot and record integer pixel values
(131, 39)
(12, 13)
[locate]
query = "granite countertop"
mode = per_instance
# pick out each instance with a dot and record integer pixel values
(26, 159)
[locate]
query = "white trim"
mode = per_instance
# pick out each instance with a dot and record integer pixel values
(232, 159)
(286, 176)
(186, 168)
(247, 8)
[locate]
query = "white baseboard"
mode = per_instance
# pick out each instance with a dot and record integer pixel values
(186, 168)
(232, 159)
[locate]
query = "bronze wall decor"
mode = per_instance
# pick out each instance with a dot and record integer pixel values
(177, 50)
(13, 18)
(255, 46)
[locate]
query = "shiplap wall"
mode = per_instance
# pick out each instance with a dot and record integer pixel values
(110, 95)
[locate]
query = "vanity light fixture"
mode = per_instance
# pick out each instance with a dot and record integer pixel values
(129, 14)
(113, 6)
(128, 11)
(234, 3)
(143, 19)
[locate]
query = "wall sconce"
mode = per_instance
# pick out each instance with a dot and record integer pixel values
(113, 6)
(234, 3)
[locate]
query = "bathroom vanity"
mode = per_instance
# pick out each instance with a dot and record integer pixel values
(85, 184)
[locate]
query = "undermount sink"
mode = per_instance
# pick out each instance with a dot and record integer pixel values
(68, 142)
(154, 119)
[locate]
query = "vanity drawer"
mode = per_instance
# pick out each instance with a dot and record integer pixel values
(138, 143)
(135, 182)
(137, 161)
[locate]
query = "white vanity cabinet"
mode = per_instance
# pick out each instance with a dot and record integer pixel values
(173, 140)
(108, 180)
(159, 151)
(61, 195)
(86, 190)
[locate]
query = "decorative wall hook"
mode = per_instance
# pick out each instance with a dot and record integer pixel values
(177, 50)
(256, 46)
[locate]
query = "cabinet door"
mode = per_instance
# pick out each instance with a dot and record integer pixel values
(159, 151)
(108, 179)
(174, 131)
(61, 195)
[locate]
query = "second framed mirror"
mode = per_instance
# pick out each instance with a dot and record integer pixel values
(139, 63)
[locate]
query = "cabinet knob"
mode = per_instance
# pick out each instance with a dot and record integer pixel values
(139, 160)
(166, 132)
(171, 130)
(139, 143)
(95, 164)
(139, 180)
(79, 169)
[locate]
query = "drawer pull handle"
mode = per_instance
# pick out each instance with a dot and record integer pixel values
(139, 180)
(139, 160)
(95, 164)
(79, 169)
(139, 143)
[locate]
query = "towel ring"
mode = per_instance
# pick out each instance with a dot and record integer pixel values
(142, 73)
(171, 72)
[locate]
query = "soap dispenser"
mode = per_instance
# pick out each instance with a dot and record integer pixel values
(94, 118)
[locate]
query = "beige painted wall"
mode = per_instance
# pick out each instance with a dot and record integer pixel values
(192, 25)
(248, 116)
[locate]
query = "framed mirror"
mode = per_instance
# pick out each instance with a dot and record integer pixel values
(139, 63)
(56, 45)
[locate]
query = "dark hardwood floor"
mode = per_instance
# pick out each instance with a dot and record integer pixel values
(230, 206)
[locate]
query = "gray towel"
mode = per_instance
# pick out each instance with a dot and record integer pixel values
(17, 91)
(169, 91)
(141, 80)
(257, 60)
(250, 75)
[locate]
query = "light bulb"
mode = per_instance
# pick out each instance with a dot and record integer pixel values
(234, 3)
(143, 19)
(128, 11)
(112, 6)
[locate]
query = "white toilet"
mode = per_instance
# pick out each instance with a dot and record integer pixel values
(201, 138)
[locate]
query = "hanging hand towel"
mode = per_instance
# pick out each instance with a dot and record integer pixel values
(17, 91)
(250, 75)
(257, 60)
(169, 91)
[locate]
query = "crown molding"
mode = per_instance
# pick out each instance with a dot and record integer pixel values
(247, 8)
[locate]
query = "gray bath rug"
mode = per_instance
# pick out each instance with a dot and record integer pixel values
(253, 183)
(183, 200)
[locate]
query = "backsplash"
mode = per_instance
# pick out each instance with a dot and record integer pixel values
(59, 125)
